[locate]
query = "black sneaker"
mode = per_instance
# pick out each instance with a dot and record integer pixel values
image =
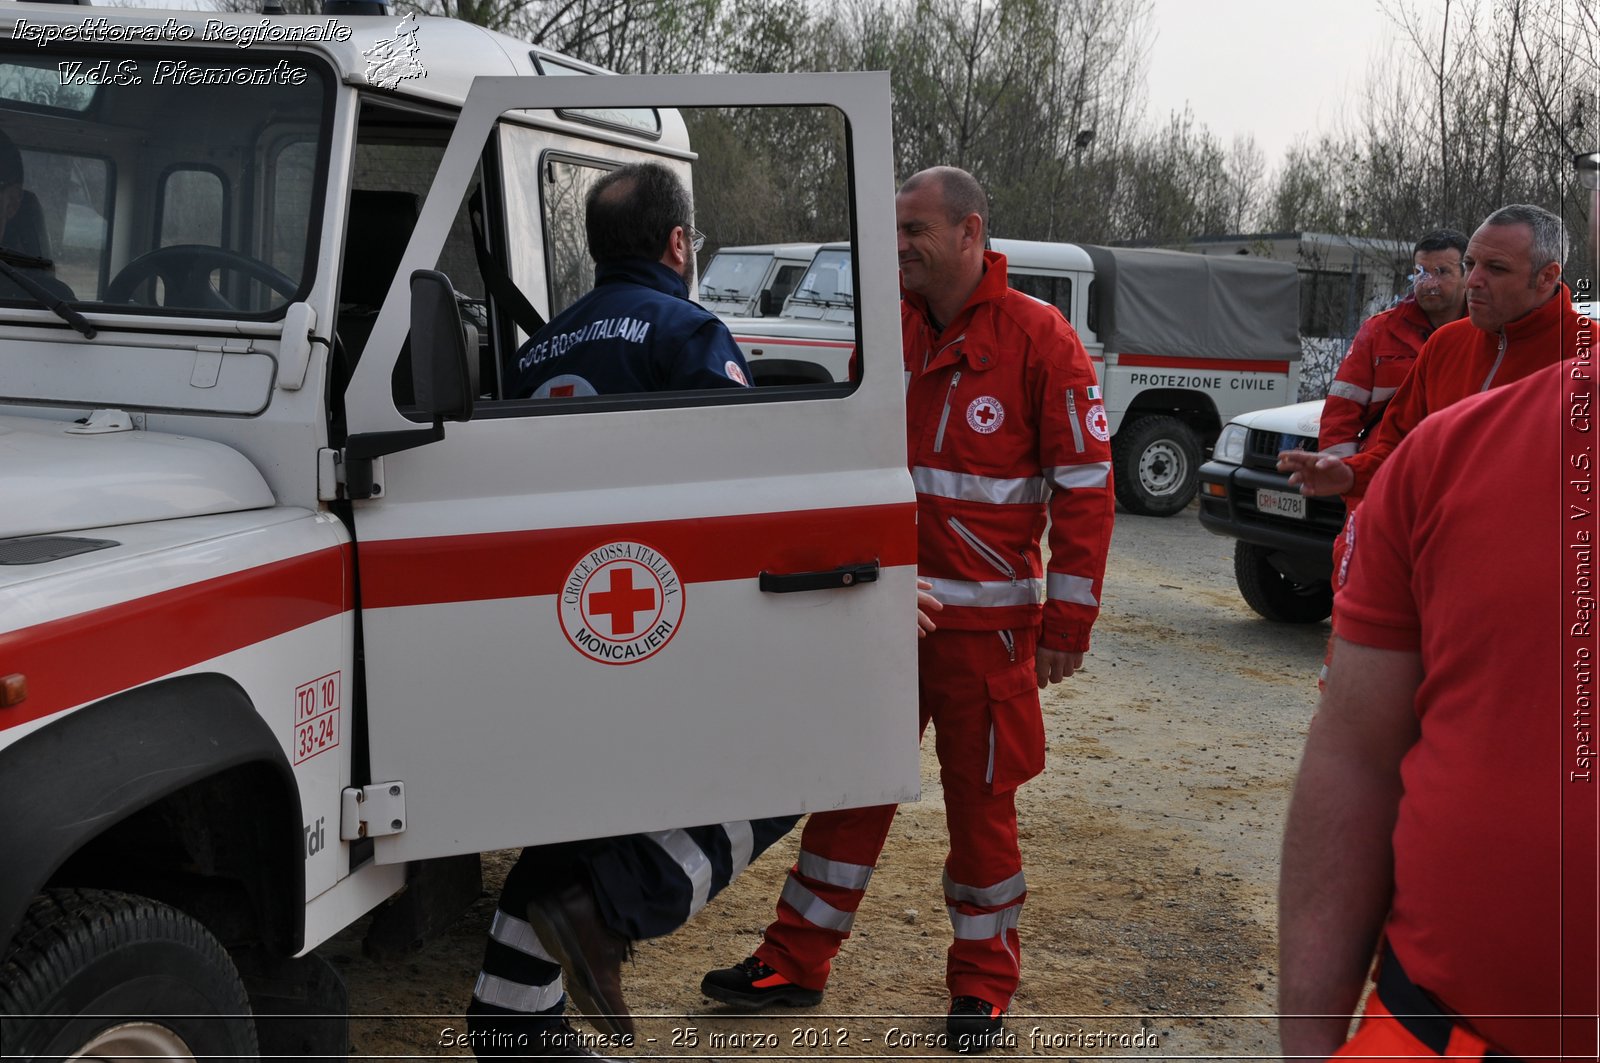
(755, 985)
(974, 1024)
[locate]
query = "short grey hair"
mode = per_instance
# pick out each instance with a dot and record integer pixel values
(1549, 233)
(962, 193)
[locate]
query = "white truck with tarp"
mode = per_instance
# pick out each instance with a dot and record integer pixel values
(299, 610)
(1183, 343)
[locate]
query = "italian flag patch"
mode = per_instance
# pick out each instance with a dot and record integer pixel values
(1093, 391)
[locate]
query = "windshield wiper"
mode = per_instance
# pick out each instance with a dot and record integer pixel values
(10, 261)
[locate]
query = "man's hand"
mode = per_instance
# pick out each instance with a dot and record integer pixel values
(1317, 474)
(926, 603)
(1055, 665)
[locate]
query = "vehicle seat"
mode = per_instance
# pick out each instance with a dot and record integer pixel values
(379, 228)
(25, 232)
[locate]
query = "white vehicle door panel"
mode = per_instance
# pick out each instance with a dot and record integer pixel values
(473, 562)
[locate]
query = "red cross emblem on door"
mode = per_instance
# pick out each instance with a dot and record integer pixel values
(621, 603)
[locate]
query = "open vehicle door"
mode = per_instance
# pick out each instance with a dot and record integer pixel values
(586, 617)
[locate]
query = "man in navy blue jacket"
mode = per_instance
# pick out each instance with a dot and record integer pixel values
(636, 330)
(578, 907)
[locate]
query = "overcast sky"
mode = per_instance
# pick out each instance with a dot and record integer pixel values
(1268, 67)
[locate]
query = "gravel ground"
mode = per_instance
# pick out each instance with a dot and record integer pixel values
(1150, 845)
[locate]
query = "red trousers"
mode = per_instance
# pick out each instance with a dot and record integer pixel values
(979, 690)
(1381, 1038)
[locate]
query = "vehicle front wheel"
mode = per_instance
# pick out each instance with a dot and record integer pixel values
(1274, 595)
(113, 976)
(1157, 465)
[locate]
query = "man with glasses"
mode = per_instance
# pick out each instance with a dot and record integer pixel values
(578, 907)
(636, 330)
(1388, 343)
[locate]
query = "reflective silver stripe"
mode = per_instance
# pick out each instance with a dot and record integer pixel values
(1064, 588)
(1343, 389)
(1066, 477)
(985, 926)
(1072, 419)
(970, 487)
(741, 843)
(1002, 892)
(1341, 450)
(995, 595)
(492, 989)
(695, 865)
(1383, 394)
(814, 909)
(518, 934)
(835, 872)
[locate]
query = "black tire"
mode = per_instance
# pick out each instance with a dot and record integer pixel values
(1274, 595)
(1157, 464)
(115, 976)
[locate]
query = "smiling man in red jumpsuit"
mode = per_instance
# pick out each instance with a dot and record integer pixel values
(1005, 425)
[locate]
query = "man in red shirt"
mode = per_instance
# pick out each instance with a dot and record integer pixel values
(1387, 343)
(1448, 795)
(1005, 428)
(1447, 800)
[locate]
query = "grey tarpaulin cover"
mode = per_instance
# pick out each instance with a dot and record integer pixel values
(1196, 306)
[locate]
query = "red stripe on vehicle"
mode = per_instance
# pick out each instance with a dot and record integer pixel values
(1237, 365)
(524, 564)
(93, 655)
(767, 341)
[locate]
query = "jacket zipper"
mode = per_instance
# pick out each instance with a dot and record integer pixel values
(1499, 356)
(950, 393)
(1072, 415)
(989, 553)
(1010, 643)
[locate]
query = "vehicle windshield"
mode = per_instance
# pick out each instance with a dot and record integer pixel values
(828, 282)
(733, 276)
(186, 184)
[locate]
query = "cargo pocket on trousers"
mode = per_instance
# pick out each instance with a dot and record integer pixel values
(1016, 728)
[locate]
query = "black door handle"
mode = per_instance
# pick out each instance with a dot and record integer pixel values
(845, 576)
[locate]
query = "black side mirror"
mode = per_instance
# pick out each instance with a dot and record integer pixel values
(444, 362)
(764, 303)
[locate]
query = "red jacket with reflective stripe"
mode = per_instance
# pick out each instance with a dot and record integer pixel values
(1461, 359)
(1380, 358)
(1004, 419)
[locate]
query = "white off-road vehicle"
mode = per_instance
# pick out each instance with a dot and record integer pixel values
(753, 281)
(1283, 559)
(299, 612)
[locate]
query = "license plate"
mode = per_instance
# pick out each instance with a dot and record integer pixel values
(1281, 503)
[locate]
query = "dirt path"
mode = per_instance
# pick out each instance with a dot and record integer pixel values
(1150, 845)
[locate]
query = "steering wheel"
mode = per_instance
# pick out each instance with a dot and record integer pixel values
(185, 269)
